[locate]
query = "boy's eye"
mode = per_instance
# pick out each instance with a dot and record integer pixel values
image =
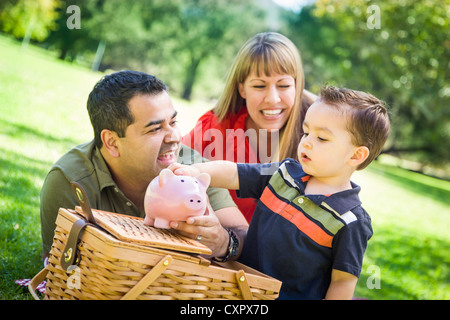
(305, 134)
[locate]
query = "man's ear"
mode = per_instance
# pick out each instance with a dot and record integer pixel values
(110, 141)
(359, 156)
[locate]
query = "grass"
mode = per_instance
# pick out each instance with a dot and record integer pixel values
(411, 244)
(43, 114)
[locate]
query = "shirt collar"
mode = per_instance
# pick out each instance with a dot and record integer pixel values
(341, 202)
(103, 174)
(344, 201)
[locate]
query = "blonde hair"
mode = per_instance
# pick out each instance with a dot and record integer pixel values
(267, 52)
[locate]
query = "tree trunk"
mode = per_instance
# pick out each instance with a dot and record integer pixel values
(189, 81)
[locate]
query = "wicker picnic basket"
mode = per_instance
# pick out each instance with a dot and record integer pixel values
(121, 258)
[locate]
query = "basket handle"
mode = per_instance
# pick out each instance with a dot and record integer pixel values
(70, 253)
(84, 201)
(148, 279)
(38, 278)
(243, 285)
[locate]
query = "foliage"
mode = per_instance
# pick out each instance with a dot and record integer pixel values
(36, 17)
(167, 38)
(404, 62)
(72, 44)
(190, 45)
(210, 28)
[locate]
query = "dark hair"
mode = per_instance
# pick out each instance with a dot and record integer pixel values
(108, 102)
(368, 120)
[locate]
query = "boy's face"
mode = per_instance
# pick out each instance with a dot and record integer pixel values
(326, 147)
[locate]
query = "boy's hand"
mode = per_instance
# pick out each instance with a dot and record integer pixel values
(184, 170)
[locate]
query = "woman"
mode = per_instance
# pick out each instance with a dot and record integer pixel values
(258, 117)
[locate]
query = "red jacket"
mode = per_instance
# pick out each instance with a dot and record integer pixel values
(224, 140)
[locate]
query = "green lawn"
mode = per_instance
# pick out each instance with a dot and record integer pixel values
(43, 114)
(411, 243)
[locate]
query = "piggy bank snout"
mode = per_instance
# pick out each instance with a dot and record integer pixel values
(195, 202)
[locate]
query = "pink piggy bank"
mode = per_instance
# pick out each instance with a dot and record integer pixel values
(175, 198)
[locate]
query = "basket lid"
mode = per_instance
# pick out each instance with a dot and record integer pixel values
(132, 229)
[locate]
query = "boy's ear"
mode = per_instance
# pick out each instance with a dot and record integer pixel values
(110, 141)
(359, 156)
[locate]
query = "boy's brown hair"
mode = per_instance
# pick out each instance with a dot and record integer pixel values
(368, 120)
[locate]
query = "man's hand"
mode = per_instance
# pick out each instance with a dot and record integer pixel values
(206, 229)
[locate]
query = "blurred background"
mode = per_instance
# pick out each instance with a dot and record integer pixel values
(52, 52)
(399, 50)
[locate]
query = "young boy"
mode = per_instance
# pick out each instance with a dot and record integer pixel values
(309, 229)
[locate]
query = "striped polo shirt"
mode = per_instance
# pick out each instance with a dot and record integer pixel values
(300, 238)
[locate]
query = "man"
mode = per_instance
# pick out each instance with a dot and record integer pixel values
(135, 137)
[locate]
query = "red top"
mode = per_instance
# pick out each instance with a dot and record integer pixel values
(224, 140)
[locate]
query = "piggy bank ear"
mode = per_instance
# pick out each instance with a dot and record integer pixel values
(164, 176)
(204, 179)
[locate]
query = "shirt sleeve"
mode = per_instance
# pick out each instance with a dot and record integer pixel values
(253, 178)
(349, 245)
(219, 198)
(56, 193)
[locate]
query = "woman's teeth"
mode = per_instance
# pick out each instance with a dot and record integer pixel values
(271, 112)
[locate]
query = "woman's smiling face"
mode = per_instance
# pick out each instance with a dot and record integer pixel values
(269, 100)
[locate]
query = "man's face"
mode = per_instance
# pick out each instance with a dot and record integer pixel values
(153, 141)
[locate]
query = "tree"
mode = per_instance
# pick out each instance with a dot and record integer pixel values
(405, 62)
(71, 43)
(169, 38)
(209, 28)
(131, 30)
(31, 18)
